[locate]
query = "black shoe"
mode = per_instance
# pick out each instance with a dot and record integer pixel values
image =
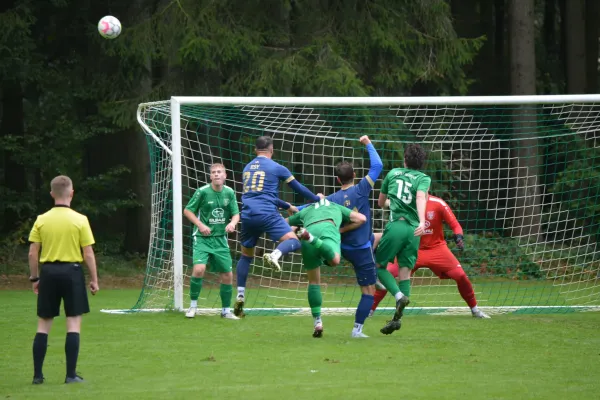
(400, 306)
(37, 380)
(238, 308)
(76, 379)
(391, 326)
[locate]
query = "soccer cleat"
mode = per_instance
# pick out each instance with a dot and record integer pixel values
(238, 308)
(318, 332)
(229, 315)
(37, 380)
(272, 261)
(191, 312)
(391, 326)
(302, 234)
(76, 379)
(400, 306)
(359, 335)
(479, 314)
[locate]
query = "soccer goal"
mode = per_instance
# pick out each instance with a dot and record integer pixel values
(522, 175)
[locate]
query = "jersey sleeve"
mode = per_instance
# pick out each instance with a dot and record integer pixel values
(233, 205)
(194, 204)
(450, 219)
(296, 219)
(424, 183)
(284, 174)
(86, 238)
(34, 235)
(345, 213)
(384, 185)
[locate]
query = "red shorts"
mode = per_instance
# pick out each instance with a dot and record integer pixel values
(439, 260)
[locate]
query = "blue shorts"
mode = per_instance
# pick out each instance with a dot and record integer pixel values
(253, 226)
(364, 265)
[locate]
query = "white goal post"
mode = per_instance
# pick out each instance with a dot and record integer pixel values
(486, 155)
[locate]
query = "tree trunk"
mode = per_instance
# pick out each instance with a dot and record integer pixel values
(592, 13)
(524, 153)
(575, 36)
(500, 47)
(12, 124)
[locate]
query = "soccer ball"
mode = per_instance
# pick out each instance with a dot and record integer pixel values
(109, 27)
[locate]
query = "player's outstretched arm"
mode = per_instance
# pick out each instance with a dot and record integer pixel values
(376, 163)
(356, 220)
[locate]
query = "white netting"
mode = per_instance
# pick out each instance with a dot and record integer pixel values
(513, 174)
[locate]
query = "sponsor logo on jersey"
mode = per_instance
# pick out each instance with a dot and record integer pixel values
(226, 202)
(428, 231)
(347, 203)
(218, 216)
(430, 215)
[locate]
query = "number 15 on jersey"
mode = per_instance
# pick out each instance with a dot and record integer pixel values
(253, 181)
(404, 193)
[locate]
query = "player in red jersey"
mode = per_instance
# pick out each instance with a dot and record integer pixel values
(435, 254)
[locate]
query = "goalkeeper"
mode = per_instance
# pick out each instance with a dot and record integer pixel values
(321, 239)
(214, 212)
(407, 190)
(435, 254)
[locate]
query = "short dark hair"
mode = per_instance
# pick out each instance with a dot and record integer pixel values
(263, 143)
(345, 172)
(414, 156)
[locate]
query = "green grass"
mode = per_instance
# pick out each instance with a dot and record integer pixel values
(157, 356)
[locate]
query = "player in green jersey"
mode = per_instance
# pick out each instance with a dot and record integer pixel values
(407, 190)
(320, 236)
(214, 212)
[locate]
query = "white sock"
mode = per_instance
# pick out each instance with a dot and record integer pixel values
(276, 254)
(398, 296)
(225, 310)
(357, 328)
(318, 321)
(474, 309)
(241, 291)
(194, 303)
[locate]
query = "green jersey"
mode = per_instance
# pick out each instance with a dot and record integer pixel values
(214, 209)
(321, 211)
(401, 186)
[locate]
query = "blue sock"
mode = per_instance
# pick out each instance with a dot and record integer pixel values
(287, 246)
(364, 306)
(242, 269)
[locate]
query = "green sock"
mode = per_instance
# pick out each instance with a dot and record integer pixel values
(315, 300)
(404, 287)
(388, 280)
(225, 293)
(195, 288)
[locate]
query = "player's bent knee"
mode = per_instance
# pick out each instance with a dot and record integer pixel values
(198, 271)
(335, 260)
(288, 236)
(369, 289)
(248, 251)
(227, 278)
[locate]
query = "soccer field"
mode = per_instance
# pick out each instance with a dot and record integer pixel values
(163, 355)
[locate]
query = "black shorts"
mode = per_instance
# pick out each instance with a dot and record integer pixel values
(62, 281)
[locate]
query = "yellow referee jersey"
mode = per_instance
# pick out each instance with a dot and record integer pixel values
(62, 233)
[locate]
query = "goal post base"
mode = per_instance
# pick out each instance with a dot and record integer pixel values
(305, 311)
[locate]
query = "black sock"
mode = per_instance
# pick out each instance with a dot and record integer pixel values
(72, 352)
(40, 344)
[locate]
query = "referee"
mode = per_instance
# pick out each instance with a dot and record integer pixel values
(61, 234)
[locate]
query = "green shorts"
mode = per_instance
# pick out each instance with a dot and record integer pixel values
(313, 257)
(398, 240)
(212, 251)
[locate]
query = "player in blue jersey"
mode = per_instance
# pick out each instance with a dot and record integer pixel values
(356, 244)
(260, 213)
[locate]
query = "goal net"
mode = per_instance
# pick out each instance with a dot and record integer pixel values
(522, 175)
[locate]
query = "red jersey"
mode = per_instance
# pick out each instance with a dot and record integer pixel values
(436, 213)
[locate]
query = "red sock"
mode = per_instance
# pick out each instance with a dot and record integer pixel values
(379, 295)
(464, 286)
